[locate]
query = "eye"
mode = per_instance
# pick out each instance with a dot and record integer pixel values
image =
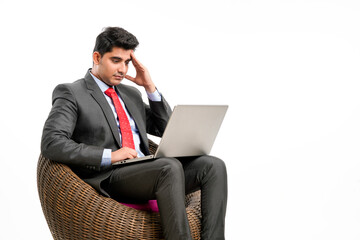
(127, 62)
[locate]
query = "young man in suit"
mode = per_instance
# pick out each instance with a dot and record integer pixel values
(97, 120)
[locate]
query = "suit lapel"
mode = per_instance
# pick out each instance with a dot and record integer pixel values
(96, 93)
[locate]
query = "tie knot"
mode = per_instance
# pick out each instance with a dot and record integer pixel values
(109, 92)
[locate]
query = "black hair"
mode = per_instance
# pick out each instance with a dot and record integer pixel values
(115, 37)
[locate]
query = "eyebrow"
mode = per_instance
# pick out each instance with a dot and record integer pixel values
(119, 58)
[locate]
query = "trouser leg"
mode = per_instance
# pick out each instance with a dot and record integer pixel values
(162, 179)
(209, 174)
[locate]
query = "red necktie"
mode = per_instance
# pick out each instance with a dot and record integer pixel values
(125, 129)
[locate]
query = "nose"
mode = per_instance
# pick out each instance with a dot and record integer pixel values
(122, 68)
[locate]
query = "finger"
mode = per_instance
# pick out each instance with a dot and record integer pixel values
(135, 61)
(133, 152)
(132, 55)
(137, 65)
(130, 78)
(131, 155)
(133, 58)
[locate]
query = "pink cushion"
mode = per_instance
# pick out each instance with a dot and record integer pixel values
(150, 206)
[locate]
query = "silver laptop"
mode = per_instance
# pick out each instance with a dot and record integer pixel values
(191, 131)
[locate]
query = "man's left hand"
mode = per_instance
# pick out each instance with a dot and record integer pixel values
(142, 77)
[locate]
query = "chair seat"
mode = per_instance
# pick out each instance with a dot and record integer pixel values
(75, 210)
(149, 206)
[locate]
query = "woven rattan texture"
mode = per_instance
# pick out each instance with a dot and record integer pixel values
(74, 210)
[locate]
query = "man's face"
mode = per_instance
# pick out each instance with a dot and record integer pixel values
(112, 67)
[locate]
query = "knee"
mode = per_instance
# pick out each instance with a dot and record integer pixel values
(215, 167)
(171, 167)
(216, 164)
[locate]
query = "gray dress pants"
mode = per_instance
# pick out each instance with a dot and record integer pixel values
(168, 180)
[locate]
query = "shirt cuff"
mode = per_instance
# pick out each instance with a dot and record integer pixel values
(155, 96)
(106, 158)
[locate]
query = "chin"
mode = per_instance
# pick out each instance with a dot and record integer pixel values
(115, 82)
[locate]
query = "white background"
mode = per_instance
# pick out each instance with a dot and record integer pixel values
(288, 69)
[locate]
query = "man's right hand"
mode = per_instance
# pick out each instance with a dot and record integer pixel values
(122, 154)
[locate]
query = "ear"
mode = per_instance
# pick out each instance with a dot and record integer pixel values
(96, 58)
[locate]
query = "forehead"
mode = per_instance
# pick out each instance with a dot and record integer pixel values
(119, 53)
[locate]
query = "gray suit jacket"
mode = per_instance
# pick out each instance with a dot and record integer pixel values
(81, 124)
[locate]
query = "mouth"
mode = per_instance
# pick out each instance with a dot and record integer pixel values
(118, 77)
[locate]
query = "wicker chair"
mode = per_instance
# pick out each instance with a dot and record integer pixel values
(75, 210)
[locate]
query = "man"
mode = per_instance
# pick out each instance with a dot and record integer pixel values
(97, 121)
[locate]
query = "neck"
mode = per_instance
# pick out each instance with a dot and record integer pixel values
(94, 72)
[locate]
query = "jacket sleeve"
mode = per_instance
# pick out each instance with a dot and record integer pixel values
(56, 142)
(158, 115)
